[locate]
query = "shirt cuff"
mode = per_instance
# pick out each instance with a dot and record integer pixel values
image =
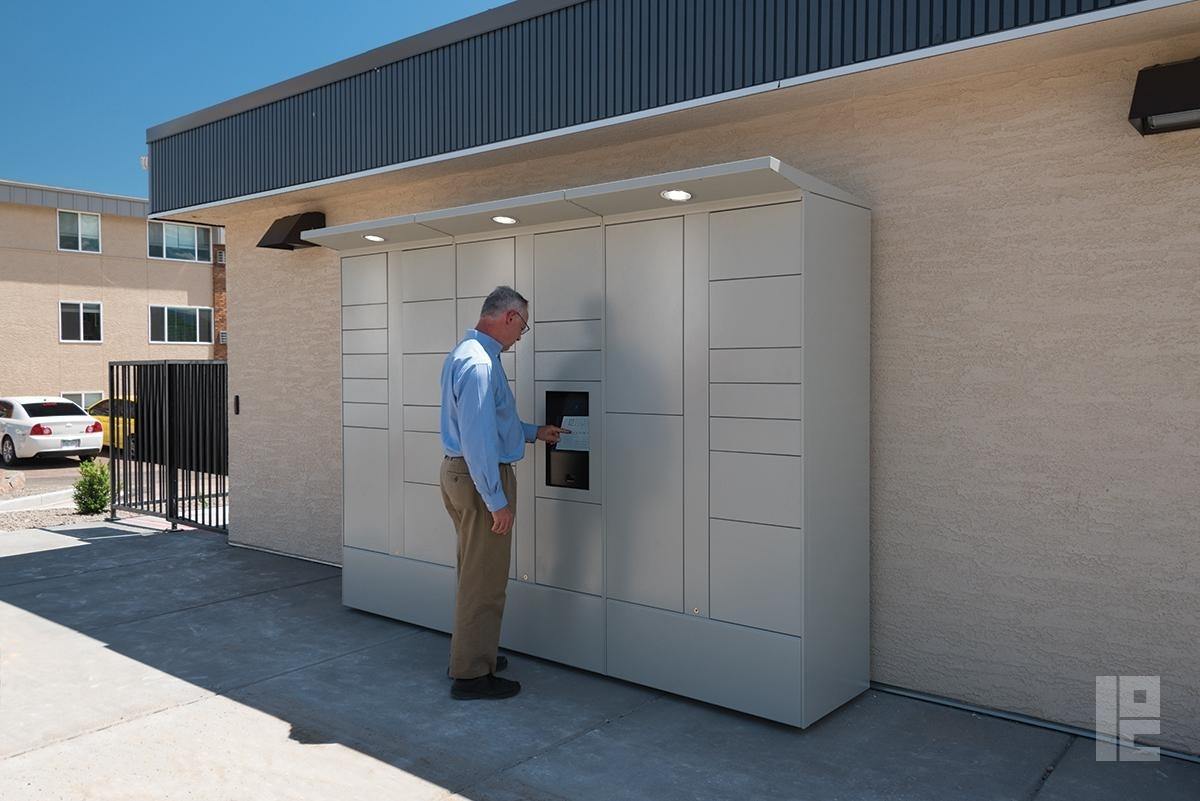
(530, 432)
(496, 502)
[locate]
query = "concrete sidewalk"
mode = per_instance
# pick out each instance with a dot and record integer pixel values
(149, 665)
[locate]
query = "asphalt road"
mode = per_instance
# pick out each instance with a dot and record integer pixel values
(50, 473)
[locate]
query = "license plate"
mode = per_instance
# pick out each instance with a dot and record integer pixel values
(70, 443)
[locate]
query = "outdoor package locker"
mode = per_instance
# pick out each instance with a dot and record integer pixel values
(708, 533)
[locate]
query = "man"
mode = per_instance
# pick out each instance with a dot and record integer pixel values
(482, 436)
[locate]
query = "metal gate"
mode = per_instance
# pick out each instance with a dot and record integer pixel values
(169, 441)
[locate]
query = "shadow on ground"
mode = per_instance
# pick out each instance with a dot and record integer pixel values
(170, 665)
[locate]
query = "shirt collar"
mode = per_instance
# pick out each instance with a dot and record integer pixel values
(491, 345)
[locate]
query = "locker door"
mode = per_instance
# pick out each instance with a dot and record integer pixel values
(644, 315)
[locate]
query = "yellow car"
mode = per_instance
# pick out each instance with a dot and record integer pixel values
(114, 432)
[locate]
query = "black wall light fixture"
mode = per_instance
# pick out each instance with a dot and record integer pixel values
(284, 233)
(1166, 98)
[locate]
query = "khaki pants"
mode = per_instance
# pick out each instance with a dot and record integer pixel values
(483, 559)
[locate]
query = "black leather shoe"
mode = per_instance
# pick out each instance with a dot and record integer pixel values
(501, 664)
(484, 687)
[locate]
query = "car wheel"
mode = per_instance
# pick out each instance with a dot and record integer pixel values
(86, 457)
(8, 453)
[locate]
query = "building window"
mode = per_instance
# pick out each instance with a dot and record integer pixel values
(83, 399)
(80, 322)
(181, 324)
(179, 241)
(78, 230)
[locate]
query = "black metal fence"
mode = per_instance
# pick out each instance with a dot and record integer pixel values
(169, 441)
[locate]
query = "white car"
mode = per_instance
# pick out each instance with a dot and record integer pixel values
(36, 426)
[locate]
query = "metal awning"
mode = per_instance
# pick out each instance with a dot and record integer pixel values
(717, 182)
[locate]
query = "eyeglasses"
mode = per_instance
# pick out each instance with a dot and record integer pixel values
(524, 323)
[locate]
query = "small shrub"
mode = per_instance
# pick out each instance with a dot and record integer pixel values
(92, 488)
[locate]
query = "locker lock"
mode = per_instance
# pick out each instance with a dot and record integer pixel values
(695, 610)
(524, 577)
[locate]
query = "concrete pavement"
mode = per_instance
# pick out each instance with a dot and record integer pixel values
(137, 664)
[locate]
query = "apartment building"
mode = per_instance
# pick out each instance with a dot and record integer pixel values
(85, 279)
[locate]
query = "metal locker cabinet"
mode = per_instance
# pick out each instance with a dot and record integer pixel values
(422, 379)
(429, 533)
(364, 390)
(756, 488)
(836, 381)
(365, 477)
(556, 624)
(775, 235)
(645, 509)
(367, 340)
(428, 326)
(763, 401)
(644, 314)
(568, 275)
(570, 545)
(466, 314)
(722, 348)
(365, 415)
(577, 335)
(423, 418)
(427, 274)
(483, 266)
(364, 395)
(422, 457)
(372, 315)
(755, 366)
(782, 437)
(365, 365)
(364, 279)
(567, 365)
(756, 312)
(756, 575)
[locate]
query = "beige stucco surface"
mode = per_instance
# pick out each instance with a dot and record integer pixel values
(1036, 353)
(35, 275)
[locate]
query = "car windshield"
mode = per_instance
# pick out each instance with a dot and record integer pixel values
(53, 409)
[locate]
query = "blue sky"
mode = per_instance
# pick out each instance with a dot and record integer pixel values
(80, 82)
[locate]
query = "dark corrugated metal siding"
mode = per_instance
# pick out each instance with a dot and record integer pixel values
(586, 62)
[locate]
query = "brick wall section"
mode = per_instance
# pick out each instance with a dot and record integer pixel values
(220, 313)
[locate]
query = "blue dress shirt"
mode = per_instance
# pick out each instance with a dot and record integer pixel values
(479, 414)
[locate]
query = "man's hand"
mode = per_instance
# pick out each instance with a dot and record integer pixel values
(502, 520)
(550, 434)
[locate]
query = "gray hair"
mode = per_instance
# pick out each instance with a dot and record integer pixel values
(501, 300)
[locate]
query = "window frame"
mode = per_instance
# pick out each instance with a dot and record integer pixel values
(83, 397)
(80, 341)
(212, 322)
(79, 236)
(195, 247)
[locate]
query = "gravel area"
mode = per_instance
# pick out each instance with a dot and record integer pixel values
(44, 518)
(37, 489)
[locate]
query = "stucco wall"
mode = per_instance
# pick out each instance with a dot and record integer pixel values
(1035, 335)
(35, 275)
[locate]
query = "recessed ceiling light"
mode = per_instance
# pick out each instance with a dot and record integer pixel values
(676, 195)
(500, 218)
(373, 237)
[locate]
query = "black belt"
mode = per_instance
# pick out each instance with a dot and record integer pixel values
(461, 459)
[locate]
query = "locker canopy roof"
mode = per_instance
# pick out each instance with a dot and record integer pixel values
(716, 182)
